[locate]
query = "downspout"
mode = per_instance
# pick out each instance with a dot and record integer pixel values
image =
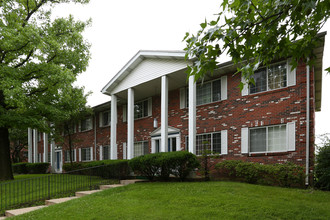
(307, 121)
(95, 135)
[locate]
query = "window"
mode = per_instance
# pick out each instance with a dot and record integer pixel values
(270, 78)
(141, 148)
(86, 124)
(213, 142)
(67, 156)
(207, 92)
(86, 154)
(141, 109)
(106, 152)
(104, 118)
(268, 139)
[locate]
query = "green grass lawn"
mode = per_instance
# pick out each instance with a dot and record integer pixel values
(192, 200)
(33, 189)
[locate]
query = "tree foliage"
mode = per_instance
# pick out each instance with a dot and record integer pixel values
(256, 32)
(40, 58)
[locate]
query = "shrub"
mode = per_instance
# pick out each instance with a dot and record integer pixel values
(37, 168)
(322, 168)
(287, 174)
(104, 168)
(20, 168)
(179, 163)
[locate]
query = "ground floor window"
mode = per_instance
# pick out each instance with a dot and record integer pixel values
(141, 148)
(67, 156)
(209, 142)
(86, 154)
(106, 152)
(268, 139)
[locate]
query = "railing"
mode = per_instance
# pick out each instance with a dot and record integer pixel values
(33, 191)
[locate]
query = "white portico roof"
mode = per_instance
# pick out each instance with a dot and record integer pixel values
(143, 67)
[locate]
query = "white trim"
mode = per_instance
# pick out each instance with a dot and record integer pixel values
(124, 113)
(244, 140)
(150, 106)
(224, 142)
(101, 152)
(245, 90)
(291, 74)
(45, 154)
(91, 154)
(124, 150)
(183, 98)
(30, 145)
(35, 146)
(164, 114)
(80, 154)
(224, 87)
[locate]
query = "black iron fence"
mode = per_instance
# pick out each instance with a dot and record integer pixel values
(33, 191)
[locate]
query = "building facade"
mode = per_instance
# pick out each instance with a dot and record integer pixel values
(155, 108)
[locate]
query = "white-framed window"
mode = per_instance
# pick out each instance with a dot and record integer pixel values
(86, 124)
(86, 154)
(214, 143)
(141, 109)
(72, 128)
(141, 148)
(106, 152)
(268, 139)
(67, 155)
(207, 92)
(104, 118)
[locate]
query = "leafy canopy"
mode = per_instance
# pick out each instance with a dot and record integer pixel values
(255, 32)
(40, 58)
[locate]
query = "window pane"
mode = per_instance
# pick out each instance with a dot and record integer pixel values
(203, 94)
(277, 138)
(203, 142)
(277, 76)
(260, 78)
(138, 110)
(216, 143)
(216, 90)
(145, 147)
(145, 108)
(106, 118)
(105, 153)
(258, 140)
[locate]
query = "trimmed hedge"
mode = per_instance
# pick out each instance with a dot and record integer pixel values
(20, 168)
(179, 163)
(287, 175)
(112, 169)
(31, 168)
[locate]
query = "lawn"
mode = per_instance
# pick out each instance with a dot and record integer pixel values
(33, 189)
(192, 200)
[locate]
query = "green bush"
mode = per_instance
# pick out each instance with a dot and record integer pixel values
(104, 168)
(37, 168)
(287, 175)
(20, 168)
(164, 164)
(322, 168)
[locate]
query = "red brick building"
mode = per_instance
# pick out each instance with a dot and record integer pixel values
(154, 108)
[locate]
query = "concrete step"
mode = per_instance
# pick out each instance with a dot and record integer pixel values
(3, 217)
(110, 186)
(84, 193)
(57, 201)
(15, 212)
(126, 182)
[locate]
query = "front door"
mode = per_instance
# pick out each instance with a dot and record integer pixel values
(172, 145)
(58, 161)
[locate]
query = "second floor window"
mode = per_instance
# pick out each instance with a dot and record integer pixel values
(270, 78)
(104, 118)
(86, 124)
(141, 109)
(86, 154)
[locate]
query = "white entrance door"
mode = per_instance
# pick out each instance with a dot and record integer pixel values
(173, 143)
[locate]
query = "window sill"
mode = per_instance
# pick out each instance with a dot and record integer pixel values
(269, 91)
(86, 130)
(261, 154)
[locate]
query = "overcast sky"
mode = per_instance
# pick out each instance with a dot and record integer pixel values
(121, 28)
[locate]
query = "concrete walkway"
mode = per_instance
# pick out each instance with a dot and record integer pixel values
(15, 212)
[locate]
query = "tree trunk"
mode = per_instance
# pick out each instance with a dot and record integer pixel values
(6, 172)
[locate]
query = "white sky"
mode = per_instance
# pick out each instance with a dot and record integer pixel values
(121, 28)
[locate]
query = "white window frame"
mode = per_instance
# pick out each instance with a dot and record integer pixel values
(74, 158)
(141, 142)
(90, 154)
(149, 109)
(101, 121)
(154, 139)
(90, 126)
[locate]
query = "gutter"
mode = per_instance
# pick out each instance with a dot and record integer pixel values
(307, 121)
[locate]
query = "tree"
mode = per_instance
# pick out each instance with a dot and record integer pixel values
(322, 168)
(40, 58)
(256, 32)
(18, 141)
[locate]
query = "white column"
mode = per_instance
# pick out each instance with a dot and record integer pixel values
(130, 124)
(164, 115)
(29, 145)
(45, 148)
(52, 155)
(192, 115)
(113, 127)
(35, 146)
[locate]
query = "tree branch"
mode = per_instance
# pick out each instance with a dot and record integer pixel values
(25, 60)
